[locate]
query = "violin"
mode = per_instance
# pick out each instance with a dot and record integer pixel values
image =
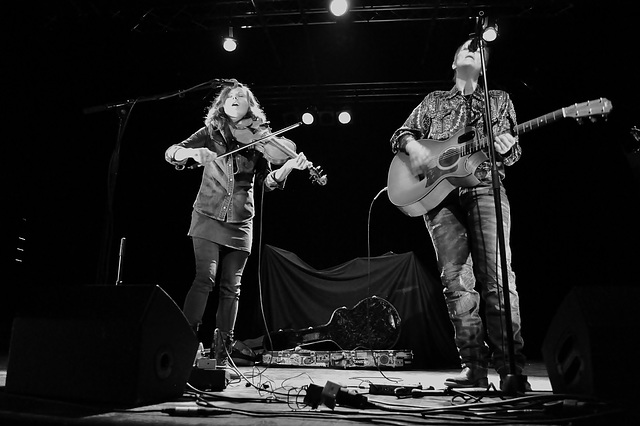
(277, 150)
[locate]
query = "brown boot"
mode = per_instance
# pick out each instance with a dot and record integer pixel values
(469, 377)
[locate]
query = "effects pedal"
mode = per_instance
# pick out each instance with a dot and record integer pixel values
(206, 363)
(214, 380)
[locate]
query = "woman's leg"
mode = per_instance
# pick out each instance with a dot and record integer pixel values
(206, 258)
(233, 264)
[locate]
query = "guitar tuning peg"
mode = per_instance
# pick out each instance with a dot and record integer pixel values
(580, 121)
(593, 119)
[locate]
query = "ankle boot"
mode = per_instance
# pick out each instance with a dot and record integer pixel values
(200, 353)
(222, 346)
(469, 377)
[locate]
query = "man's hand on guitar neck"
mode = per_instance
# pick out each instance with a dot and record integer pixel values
(503, 143)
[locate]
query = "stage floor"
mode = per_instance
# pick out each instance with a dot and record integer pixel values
(276, 396)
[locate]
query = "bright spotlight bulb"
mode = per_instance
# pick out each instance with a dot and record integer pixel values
(344, 117)
(307, 118)
(229, 44)
(339, 7)
(490, 33)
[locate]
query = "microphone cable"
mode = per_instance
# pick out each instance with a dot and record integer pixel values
(369, 221)
(369, 253)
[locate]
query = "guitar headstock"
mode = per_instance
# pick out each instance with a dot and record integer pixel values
(593, 109)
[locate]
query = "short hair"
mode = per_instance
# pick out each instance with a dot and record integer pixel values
(486, 56)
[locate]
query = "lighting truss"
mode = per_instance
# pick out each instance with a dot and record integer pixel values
(352, 93)
(206, 15)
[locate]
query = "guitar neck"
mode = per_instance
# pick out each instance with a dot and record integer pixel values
(536, 123)
(527, 126)
(591, 108)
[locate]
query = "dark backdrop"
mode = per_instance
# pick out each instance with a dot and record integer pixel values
(574, 194)
(338, 303)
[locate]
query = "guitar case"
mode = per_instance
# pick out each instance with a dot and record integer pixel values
(373, 323)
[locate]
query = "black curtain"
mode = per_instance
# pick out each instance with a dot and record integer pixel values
(298, 296)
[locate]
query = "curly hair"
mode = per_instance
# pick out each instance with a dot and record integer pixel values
(216, 118)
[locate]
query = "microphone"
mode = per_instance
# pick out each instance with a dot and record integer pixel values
(224, 81)
(473, 46)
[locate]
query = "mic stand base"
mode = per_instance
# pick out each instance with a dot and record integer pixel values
(514, 384)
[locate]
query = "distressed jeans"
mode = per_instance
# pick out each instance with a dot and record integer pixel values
(463, 229)
(207, 256)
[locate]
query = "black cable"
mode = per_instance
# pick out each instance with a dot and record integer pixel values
(369, 227)
(260, 294)
(369, 250)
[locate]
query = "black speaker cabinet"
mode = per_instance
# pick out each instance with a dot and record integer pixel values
(589, 347)
(123, 345)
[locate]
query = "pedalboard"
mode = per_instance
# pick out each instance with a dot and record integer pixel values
(339, 359)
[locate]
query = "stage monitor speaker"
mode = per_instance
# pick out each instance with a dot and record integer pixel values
(124, 345)
(588, 347)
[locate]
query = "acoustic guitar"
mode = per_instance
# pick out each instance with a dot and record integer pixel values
(373, 323)
(457, 158)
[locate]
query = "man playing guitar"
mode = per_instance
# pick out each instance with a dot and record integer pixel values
(462, 223)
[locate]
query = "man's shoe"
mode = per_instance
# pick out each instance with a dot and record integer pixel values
(469, 377)
(516, 382)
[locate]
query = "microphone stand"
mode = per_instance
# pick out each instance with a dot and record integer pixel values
(511, 383)
(124, 112)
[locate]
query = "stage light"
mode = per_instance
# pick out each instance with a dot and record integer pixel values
(308, 118)
(229, 43)
(344, 116)
(487, 27)
(490, 32)
(339, 7)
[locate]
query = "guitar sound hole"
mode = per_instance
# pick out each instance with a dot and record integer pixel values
(449, 158)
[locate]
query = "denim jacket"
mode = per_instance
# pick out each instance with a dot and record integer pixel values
(226, 189)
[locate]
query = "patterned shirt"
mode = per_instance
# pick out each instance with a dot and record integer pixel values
(441, 114)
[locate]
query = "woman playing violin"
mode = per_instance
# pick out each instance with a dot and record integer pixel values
(222, 217)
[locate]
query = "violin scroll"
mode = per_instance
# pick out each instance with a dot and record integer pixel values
(315, 174)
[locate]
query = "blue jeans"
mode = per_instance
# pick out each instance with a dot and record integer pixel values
(463, 229)
(208, 255)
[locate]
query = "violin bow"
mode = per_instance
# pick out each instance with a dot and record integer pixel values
(276, 133)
